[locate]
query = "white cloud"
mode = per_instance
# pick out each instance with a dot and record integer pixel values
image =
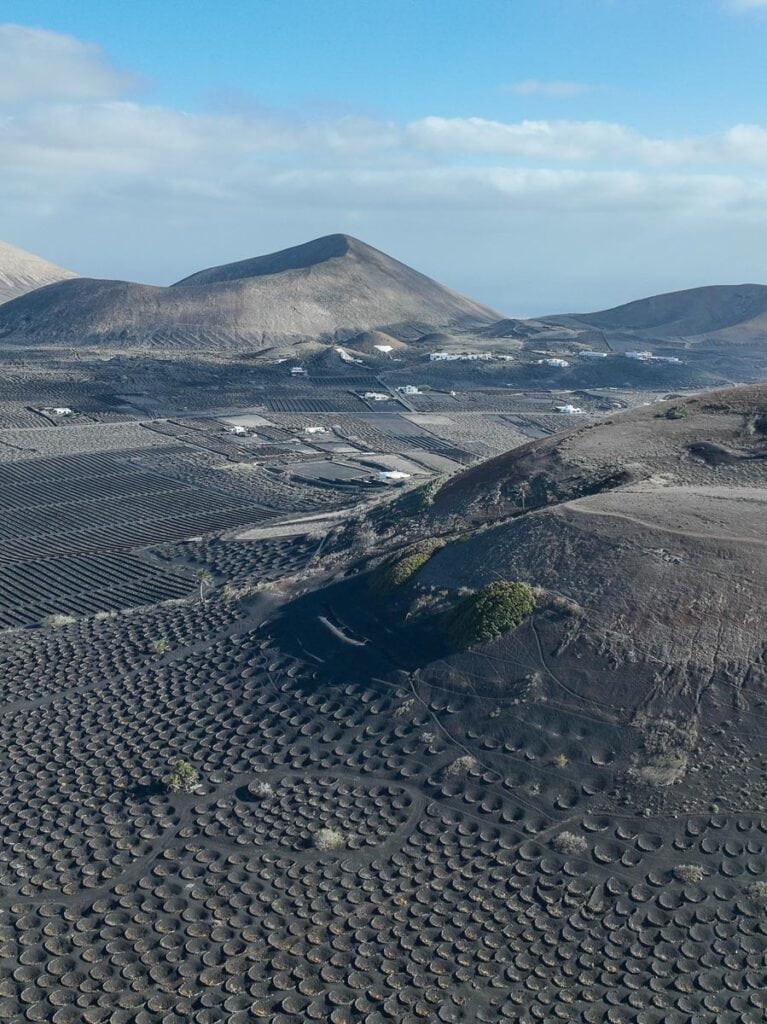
(36, 64)
(554, 213)
(554, 89)
(582, 141)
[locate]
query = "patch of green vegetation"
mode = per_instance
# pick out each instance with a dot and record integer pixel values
(398, 571)
(183, 778)
(490, 612)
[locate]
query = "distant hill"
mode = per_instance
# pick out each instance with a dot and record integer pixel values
(738, 312)
(329, 289)
(22, 272)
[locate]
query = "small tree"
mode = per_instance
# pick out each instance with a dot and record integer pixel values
(183, 778)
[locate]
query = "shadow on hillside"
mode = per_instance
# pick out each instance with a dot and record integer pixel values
(352, 635)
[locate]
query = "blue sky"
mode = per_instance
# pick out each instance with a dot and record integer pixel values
(541, 155)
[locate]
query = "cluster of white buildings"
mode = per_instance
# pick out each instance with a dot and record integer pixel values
(648, 357)
(57, 410)
(454, 357)
(554, 362)
(567, 409)
(643, 356)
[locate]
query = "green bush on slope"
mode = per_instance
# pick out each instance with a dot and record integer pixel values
(490, 612)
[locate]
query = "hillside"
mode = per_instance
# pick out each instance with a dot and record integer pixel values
(328, 289)
(643, 538)
(22, 272)
(733, 312)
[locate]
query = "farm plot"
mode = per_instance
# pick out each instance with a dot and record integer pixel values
(82, 585)
(484, 434)
(208, 438)
(50, 441)
(276, 492)
(436, 446)
(101, 502)
(340, 402)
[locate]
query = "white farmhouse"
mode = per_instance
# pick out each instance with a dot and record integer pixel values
(409, 389)
(376, 396)
(643, 356)
(297, 371)
(392, 476)
(568, 410)
(554, 362)
(588, 353)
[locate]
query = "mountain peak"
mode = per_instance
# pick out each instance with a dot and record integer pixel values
(327, 289)
(296, 257)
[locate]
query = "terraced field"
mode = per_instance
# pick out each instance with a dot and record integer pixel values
(82, 585)
(101, 502)
(70, 526)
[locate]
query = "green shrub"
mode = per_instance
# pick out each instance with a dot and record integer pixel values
(400, 570)
(183, 778)
(490, 612)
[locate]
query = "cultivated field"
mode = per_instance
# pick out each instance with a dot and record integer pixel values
(379, 827)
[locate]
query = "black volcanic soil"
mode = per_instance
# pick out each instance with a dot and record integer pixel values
(559, 825)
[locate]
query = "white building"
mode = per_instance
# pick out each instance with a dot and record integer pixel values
(568, 410)
(386, 349)
(376, 396)
(643, 356)
(554, 362)
(588, 353)
(297, 371)
(239, 431)
(667, 359)
(58, 410)
(315, 430)
(408, 389)
(392, 476)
